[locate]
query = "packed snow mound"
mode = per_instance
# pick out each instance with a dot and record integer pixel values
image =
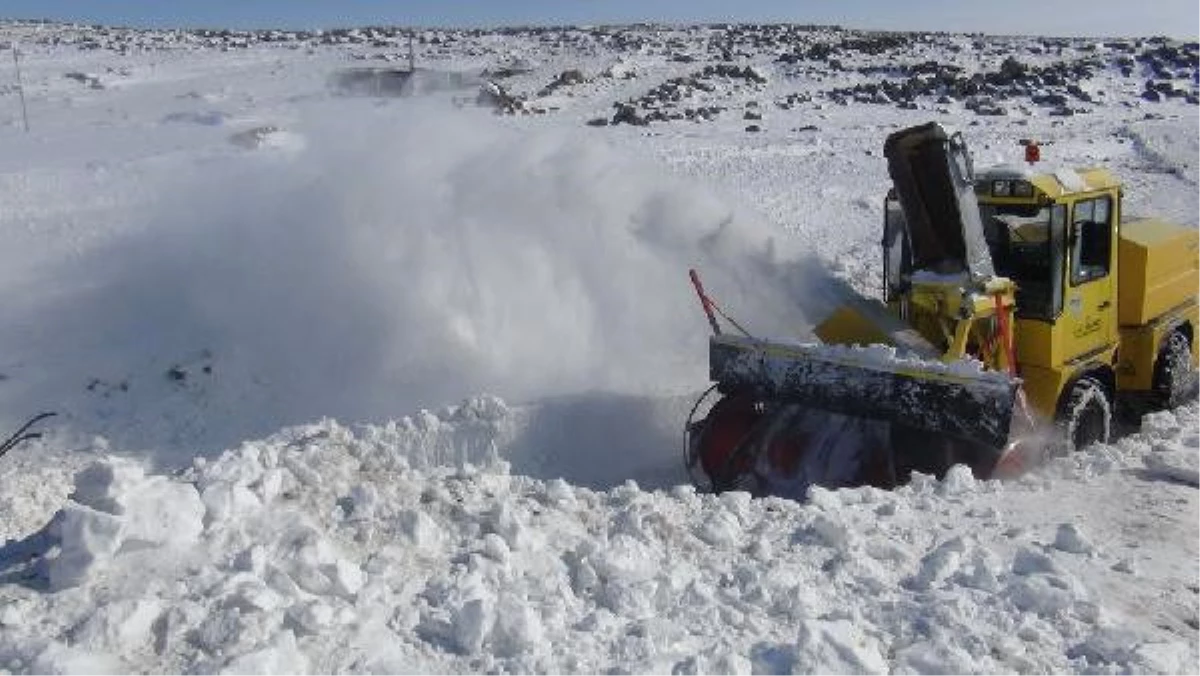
(321, 549)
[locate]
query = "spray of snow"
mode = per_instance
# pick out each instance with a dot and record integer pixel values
(403, 257)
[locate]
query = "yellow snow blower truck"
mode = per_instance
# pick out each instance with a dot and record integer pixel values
(1020, 314)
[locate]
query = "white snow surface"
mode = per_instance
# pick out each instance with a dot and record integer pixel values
(369, 384)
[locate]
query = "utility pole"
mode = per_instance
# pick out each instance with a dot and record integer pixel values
(20, 87)
(412, 62)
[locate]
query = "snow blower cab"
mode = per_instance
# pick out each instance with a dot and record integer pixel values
(919, 382)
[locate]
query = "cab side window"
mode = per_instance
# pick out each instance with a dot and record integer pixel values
(1091, 239)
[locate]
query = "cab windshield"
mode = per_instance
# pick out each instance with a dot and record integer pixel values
(1025, 241)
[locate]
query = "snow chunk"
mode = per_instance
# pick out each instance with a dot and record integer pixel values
(938, 564)
(1176, 464)
(518, 629)
(1069, 538)
(361, 502)
(348, 578)
(959, 480)
(282, 656)
(58, 658)
(723, 530)
(473, 622)
(162, 512)
(981, 571)
(1110, 644)
(625, 559)
(1070, 179)
(504, 521)
(1165, 657)
(314, 617)
(102, 484)
(495, 548)
(115, 505)
(838, 647)
(421, 529)
(560, 493)
(1028, 561)
(124, 623)
(1042, 594)
(228, 502)
(829, 532)
(88, 538)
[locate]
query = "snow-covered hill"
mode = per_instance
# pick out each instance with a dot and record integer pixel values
(209, 236)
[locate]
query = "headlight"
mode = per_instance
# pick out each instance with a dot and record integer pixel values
(1022, 189)
(1001, 188)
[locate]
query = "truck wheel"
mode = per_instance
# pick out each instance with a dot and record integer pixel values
(1174, 377)
(1086, 417)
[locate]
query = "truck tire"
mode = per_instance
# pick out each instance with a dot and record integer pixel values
(1086, 416)
(1174, 377)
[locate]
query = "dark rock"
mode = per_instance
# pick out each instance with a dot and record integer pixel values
(494, 96)
(819, 52)
(754, 128)
(1051, 99)
(628, 115)
(253, 138)
(88, 79)
(986, 107)
(1013, 69)
(1078, 92)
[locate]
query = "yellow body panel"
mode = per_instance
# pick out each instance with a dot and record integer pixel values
(1036, 344)
(1042, 387)
(1158, 262)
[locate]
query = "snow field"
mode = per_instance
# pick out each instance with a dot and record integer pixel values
(211, 247)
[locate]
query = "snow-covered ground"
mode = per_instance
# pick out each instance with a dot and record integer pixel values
(205, 242)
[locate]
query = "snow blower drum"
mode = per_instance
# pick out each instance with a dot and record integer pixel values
(793, 415)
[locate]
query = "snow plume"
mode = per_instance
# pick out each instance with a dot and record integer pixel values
(405, 257)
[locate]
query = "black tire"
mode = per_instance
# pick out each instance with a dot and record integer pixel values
(1174, 377)
(1086, 415)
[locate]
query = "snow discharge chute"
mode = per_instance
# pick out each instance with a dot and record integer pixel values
(919, 382)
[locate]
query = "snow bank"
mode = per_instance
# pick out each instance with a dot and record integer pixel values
(321, 549)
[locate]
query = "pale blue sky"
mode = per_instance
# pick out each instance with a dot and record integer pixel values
(1176, 18)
